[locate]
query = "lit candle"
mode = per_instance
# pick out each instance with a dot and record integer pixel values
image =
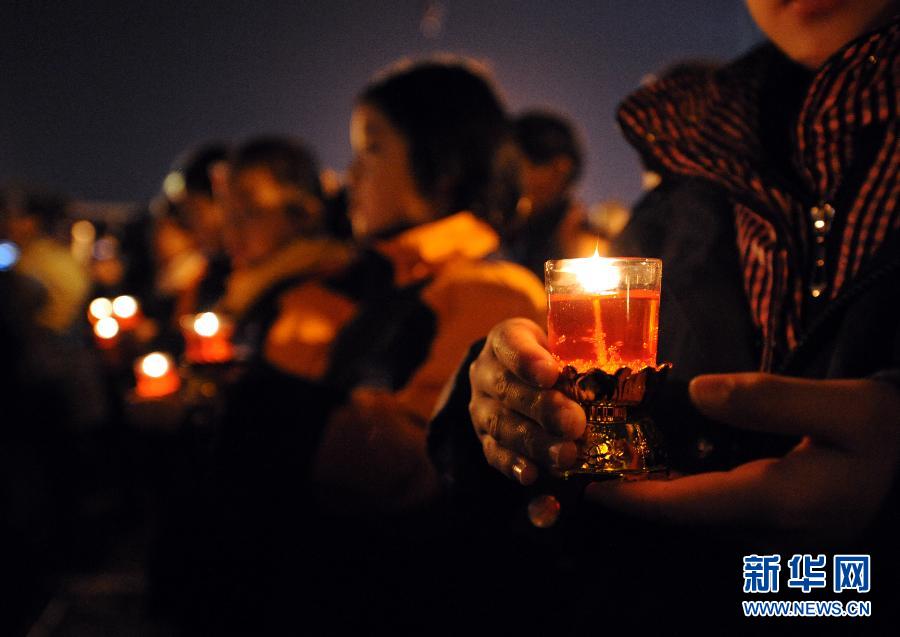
(126, 311)
(603, 312)
(106, 332)
(99, 308)
(207, 338)
(156, 376)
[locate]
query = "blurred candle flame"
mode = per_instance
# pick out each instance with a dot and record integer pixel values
(101, 308)
(206, 324)
(156, 376)
(124, 306)
(106, 328)
(155, 365)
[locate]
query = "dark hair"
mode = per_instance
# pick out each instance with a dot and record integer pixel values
(289, 161)
(196, 164)
(293, 165)
(454, 123)
(47, 206)
(542, 136)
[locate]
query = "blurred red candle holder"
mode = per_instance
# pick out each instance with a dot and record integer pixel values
(156, 376)
(207, 338)
(127, 311)
(603, 327)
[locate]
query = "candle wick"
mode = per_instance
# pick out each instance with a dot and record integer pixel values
(627, 299)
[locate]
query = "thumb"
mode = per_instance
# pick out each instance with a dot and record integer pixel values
(837, 410)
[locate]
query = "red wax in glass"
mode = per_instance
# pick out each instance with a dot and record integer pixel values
(605, 331)
(208, 349)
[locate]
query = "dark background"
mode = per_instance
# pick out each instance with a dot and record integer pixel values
(98, 98)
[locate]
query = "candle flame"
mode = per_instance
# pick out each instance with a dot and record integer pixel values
(124, 306)
(155, 365)
(595, 274)
(101, 308)
(206, 324)
(106, 327)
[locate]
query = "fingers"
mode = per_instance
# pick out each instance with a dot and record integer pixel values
(520, 435)
(520, 420)
(731, 497)
(812, 490)
(842, 412)
(509, 463)
(497, 386)
(521, 347)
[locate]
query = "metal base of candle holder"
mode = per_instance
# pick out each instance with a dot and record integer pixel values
(620, 439)
(622, 448)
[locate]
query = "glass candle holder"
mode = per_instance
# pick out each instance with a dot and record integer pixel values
(127, 311)
(207, 338)
(603, 327)
(155, 376)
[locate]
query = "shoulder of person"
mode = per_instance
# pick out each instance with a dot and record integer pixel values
(478, 284)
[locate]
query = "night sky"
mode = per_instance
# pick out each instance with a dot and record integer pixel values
(98, 98)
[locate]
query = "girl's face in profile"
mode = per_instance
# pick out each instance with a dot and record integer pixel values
(383, 192)
(810, 31)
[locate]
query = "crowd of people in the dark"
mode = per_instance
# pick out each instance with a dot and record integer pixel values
(311, 403)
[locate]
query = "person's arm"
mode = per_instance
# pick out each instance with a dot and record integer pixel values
(453, 446)
(371, 456)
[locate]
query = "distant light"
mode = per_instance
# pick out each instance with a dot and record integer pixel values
(83, 231)
(101, 308)
(106, 327)
(105, 248)
(9, 255)
(206, 324)
(174, 186)
(124, 306)
(155, 365)
(819, 223)
(650, 179)
(432, 24)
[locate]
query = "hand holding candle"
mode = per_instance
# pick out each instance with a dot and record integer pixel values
(523, 423)
(603, 325)
(528, 416)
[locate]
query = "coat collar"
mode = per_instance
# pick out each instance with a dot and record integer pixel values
(301, 257)
(707, 123)
(420, 252)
